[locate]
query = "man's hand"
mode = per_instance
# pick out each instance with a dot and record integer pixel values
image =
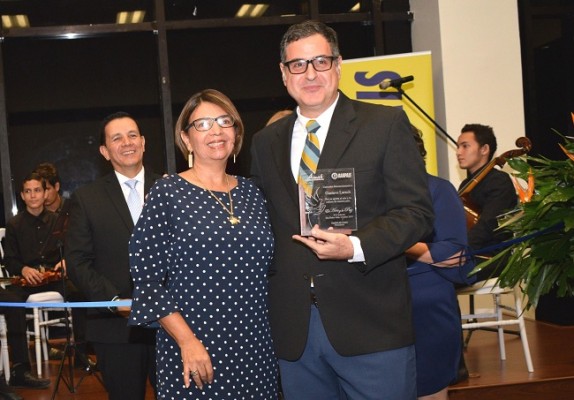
(32, 275)
(328, 245)
(123, 311)
(61, 265)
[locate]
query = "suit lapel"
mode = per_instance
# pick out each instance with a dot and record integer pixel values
(150, 179)
(281, 150)
(117, 199)
(341, 132)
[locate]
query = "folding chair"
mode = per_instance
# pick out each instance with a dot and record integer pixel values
(493, 317)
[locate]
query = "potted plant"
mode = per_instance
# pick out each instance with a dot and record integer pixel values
(541, 258)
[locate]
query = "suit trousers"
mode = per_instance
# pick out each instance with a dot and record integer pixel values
(126, 368)
(321, 373)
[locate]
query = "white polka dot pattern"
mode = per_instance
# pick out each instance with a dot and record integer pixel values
(186, 256)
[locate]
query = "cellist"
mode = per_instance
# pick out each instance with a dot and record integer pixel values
(486, 193)
(492, 196)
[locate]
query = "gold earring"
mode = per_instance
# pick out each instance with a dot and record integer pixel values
(190, 159)
(233, 158)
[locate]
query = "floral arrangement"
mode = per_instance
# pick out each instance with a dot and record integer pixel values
(544, 221)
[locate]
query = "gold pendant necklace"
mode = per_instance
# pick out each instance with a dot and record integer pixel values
(232, 218)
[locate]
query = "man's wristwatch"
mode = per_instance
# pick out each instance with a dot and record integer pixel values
(114, 309)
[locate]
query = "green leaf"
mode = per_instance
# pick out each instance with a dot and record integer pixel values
(545, 262)
(520, 165)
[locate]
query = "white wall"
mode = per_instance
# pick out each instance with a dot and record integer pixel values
(476, 67)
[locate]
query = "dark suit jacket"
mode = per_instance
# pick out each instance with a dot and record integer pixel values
(365, 307)
(96, 251)
(493, 195)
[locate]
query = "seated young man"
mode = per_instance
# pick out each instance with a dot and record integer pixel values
(30, 250)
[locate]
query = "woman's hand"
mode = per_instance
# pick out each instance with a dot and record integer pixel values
(196, 361)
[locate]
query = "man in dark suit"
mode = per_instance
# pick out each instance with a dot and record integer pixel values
(340, 305)
(96, 249)
(493, 195)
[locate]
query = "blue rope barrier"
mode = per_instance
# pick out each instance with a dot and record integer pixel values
(470, 254)
(508, 243)
(72, 304)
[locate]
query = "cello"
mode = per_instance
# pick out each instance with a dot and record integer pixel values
(471, 210)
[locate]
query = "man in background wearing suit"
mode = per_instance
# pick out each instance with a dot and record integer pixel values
(340, 305)
(493, 195)
(100, 226)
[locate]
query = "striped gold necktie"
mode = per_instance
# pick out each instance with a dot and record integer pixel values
(310, 157)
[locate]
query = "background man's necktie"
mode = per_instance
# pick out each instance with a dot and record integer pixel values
(134, 202)
(310, 157)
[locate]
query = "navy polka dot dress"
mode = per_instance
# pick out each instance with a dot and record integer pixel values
(186, 256)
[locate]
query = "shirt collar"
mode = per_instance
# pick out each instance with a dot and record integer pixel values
(324, 120)
(42, 216)
(123, 179)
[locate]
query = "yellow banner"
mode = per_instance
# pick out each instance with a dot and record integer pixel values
(361, 77)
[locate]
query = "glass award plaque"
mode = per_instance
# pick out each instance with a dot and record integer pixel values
(328, 199)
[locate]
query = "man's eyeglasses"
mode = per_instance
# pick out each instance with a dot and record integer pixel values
(205, 124)
(320, 64)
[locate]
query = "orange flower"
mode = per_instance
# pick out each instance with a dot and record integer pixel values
(568, 154)
(525, 195)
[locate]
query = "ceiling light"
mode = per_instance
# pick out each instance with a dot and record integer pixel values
(356, 8)
(251, 10)
(15, 21)
(130, 17)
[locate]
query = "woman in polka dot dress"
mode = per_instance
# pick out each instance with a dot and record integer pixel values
(199, 257)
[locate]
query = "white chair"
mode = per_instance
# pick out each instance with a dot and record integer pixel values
(4, 355)
(2, 235)
(3, 272)
(493, 317)
(42, 322)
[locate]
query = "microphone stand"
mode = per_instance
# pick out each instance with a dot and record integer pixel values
(70, 351)
(402, 92)
(69, 348)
